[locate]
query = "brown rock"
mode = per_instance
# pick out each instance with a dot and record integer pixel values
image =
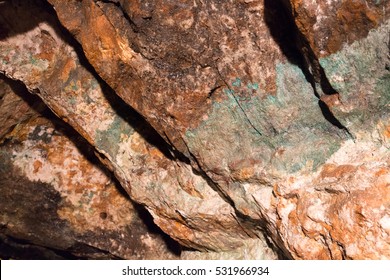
(181, 201)
(149, 55)
(275, 113)
(329, 25)
(342, 211)
(16, 104)
(54, 197)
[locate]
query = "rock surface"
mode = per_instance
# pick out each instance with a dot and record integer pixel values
(257, 120)
(14, 109)
(79, 212)
(187, 206)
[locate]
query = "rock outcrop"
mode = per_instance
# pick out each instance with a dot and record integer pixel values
(63, 204)
(236, 124)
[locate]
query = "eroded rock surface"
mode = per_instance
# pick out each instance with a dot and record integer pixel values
(256, 117)
(54, 198)
(14, 109)
(187, 206)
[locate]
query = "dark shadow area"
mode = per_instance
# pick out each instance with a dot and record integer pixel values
(283, 30)
(329, 115)
(262, 226)
(278, 16)
(20, 248)
(14, 248)
(172, 245)
(8, 101)
(88, 252)
(11, 26)
(32, 100)
(285, 33)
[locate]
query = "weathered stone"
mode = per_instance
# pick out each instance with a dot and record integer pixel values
(252, 249)
(148, 53)
(13, 108)
(280, 128)
(53, 197)
(341, 211)
(329, 25)
(348, 60)
(182, 202)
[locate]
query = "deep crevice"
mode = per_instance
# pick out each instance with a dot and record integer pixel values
(117, 4)
(88, 153)
(329, 115)
(295, 46)
(212, 91)
(171, 244)
(298, 51)
(198, 170)
(121, 108)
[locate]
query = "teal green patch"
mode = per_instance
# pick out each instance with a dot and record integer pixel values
(254, 86)
(228, 91)
(236, 82)
(75, 87)
(109, 140)
(72, 100)
(358, 72)
(272, 99)
(39, 63)
(382, 87)
(33, 60)
(291, 120)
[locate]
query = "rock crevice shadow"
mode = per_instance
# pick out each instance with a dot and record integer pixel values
(279, 18)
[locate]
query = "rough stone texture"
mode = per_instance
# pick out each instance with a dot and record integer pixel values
(188, 208)
(348, 61)
(53, 196)
(171, 60)
(14, 109)
(341, 211)
(268, 128)
(329, 25)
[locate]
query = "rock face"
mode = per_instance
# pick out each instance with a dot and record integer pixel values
(328, 27)
(261, 124)
(187, 206)
(14, 109)
(79, 212)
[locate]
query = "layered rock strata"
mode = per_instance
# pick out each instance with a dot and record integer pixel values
(253, 117)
